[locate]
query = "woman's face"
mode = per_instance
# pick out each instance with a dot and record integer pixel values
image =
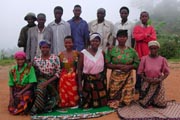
(45, 49)
(68, 43)
(20, 61)
(122, 40)
(95, 43)
(153, 50)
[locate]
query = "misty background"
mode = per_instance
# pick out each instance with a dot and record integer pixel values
(164, 15)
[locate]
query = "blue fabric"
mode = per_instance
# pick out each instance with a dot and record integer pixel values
(80, 33)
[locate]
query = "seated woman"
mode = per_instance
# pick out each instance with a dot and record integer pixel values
(92, 72)
(21, 79)
(122, 60)
(68, 82)
(47, 68)
(153, 69)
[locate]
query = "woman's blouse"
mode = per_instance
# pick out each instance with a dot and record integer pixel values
(23, 77)
(127, 56)
(93, 64)
(50, 66)
(153, 67)
(68, 64)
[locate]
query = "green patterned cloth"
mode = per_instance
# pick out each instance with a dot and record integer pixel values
(73, 113)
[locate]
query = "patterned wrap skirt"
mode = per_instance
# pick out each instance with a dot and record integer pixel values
(94, 90)
(46, 99)
(22, 104)
(121, 87)
(68, 90)
(152, 94)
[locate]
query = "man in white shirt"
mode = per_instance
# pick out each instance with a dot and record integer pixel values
(103, 27)
(124, 24)
(59, 29)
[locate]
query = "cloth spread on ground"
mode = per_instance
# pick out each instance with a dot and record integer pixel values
(73, 113)
(136, 112)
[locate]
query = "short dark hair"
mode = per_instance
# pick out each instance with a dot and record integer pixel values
(122, 33)
(69, 37)
(41, 14)
(144, 12)
(77, 6)
(58, 8)
(124, 7)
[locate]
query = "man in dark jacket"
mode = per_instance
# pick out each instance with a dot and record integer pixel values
(22, 41)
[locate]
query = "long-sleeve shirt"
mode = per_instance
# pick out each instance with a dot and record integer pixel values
(142, 36)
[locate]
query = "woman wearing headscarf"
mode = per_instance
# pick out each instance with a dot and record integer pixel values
(153, 69)
(21, 79)
(47, 68)
(122, 60)
(92, 72)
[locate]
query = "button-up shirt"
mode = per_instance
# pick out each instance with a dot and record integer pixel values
(79, 32)
(105, 29)
(126, 26)
(59, 32)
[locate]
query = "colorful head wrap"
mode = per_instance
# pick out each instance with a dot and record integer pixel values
(95, 35)
(155, 43)
(44, 42)
(20, 54)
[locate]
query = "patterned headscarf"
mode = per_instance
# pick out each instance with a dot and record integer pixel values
(20, 54)
(44, 42)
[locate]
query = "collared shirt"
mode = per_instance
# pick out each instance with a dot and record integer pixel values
(80, 33)
(105, 29)
(142, 36)
(40, 37)
(126, 26)
(59, 32)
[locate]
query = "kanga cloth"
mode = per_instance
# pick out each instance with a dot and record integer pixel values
(73, 113)
(136, 112)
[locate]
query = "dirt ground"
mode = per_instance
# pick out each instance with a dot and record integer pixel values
(172, 84)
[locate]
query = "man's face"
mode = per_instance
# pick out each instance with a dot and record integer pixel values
(100, 15)
(124, 14)
(30, 20)
(58, 14)
(77, 11)
(144, 17)
(41, 20)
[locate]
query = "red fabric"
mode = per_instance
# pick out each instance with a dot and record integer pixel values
(68, 90)
(142, 36)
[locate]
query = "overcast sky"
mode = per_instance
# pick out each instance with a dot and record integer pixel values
(13, 12)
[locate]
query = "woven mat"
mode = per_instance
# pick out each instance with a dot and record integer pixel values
(136, 112)
(73, 114)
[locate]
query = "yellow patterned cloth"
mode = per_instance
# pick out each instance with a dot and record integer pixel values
(121, 87)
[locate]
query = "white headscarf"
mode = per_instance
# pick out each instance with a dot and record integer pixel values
(155, 43)
(94, 35)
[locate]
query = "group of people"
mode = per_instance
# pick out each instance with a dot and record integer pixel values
(65, 64)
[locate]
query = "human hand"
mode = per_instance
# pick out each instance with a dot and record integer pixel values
(43, 84)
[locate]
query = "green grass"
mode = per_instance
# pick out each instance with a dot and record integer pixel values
(174, 60)
(6, 62)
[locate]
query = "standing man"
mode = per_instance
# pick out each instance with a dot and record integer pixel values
(22, 41)
(79, 30)
(103, 27)
(124, 24)
(35, 35)
(59, 29)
